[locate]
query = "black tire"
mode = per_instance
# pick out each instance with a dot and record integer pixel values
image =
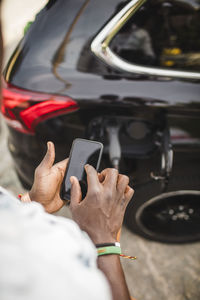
(172, 216)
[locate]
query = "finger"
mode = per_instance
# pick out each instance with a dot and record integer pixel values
(129, 192)
(49, 157)
(111, 177)
(25, 198)
(92, 177)
(101, 177)
(122, 183)
(62, 165)
(76, 195)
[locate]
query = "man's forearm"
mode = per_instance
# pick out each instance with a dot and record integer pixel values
(110, 265)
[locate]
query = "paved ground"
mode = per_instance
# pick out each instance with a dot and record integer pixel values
(161, 272)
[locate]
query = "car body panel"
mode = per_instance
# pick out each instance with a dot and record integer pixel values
(35, 66)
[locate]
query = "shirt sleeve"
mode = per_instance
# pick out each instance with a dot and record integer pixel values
(45, 257)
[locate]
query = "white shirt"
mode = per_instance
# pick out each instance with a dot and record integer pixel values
(44, 257)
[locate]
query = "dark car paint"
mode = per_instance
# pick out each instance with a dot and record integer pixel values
(38, 56)
(48, 60)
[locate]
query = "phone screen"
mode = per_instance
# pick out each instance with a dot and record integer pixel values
(82, 152)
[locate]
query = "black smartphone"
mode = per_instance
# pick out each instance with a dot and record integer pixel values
(82, 152)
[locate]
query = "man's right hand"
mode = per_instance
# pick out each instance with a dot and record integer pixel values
(101, 212)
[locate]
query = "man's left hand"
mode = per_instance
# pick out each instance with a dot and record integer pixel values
(47, 182)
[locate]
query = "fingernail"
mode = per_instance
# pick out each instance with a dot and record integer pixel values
(72, 178)
(87, 165)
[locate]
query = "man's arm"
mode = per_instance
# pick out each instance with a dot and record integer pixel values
(101, 214)
(111, 266)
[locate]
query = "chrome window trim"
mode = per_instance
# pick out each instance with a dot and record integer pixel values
(100, 47)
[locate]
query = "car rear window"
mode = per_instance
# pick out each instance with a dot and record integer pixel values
(162, 34)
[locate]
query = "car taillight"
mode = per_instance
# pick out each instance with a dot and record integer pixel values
(24, 110)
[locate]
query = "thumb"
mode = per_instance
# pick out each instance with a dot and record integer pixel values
(49, 157)
(76, 195)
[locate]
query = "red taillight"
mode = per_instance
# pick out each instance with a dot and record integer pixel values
(24, 110)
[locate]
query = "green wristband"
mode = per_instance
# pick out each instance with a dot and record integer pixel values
(109, 250)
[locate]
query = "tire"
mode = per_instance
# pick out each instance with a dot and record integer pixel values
(172, 216)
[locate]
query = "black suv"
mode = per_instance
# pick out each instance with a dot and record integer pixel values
(126, 73)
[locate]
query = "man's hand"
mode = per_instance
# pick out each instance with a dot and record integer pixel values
(101, 212)
(47, 181)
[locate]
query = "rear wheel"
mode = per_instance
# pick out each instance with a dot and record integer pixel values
(172, 216)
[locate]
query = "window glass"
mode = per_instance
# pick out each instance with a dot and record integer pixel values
(162, 34)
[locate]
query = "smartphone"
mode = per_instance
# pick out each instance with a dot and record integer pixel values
(82, 152)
